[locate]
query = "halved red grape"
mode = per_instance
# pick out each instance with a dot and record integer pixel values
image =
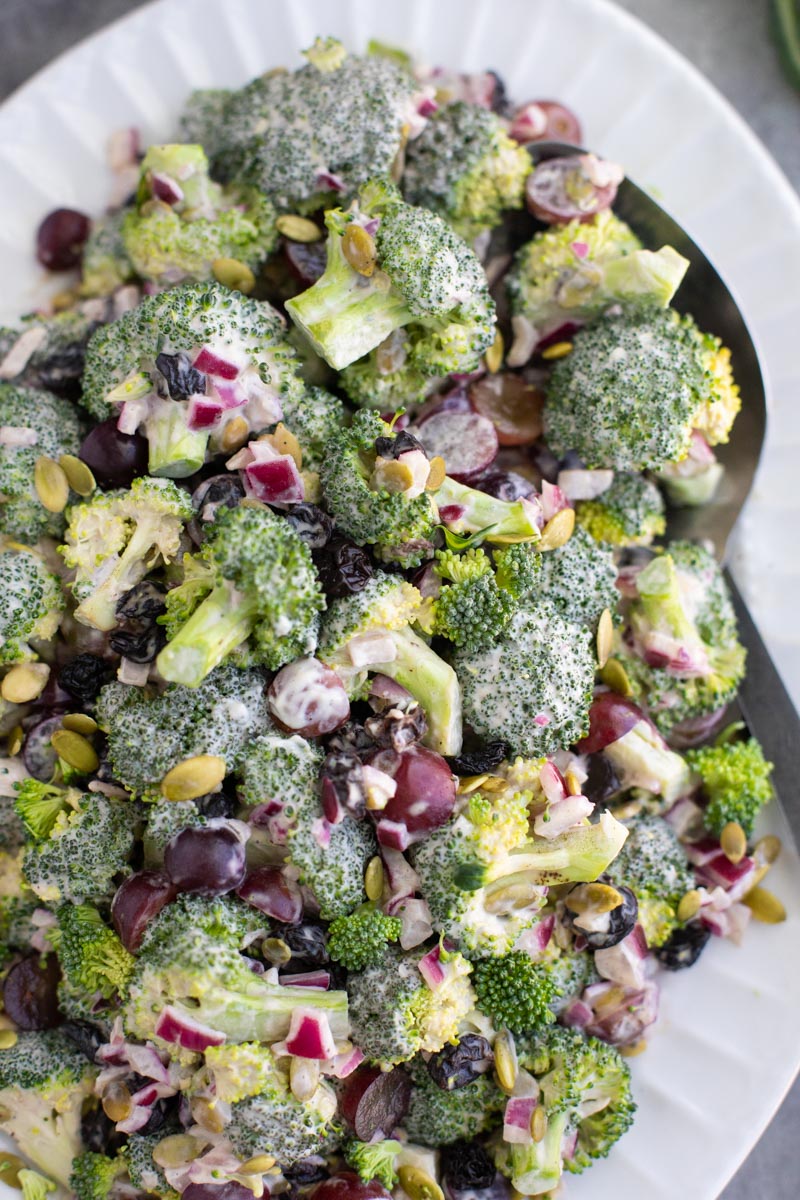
(545, 121)
(308, 698)
(218, 1191)
(137, 902)
(513, 406)
(426, 790)
(466, 441)
(344, 1186)
(38, 755)
(268, 890)
(208, 861)
(115, 459)
(60, 239)
(610, 718)
(374, 1102)
(306, 260)
(560, 190)
(30, 992)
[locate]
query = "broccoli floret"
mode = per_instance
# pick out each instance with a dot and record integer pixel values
(115, 538)
(88, 846)
(105, 264)
(38, 805)
(194, 581)
(280, 769)
(517, 569)
(169, 240)
(12, 830)
(51, 356)
(387, 378)
(44, 1081)
(93, 959)
(307, 137)
(94, 1176)
(683, 618)
(736, 779)
(314, 418)
(652, 863)
(239, 1071)
(573, 272)
(51, 427)
(586, 1094)
(515, 992)
(471, 610)
(630, 391)
(190, 961)
(413, 271)
(373, 1160)
(32, 605)
(149, 735)
(571, 971)
(533, 688)
(397, 524)
(147, 360)
(165, 819)
(721, 399)
(144, 1171)
(360, 939)
(629, 513)
(331, 868)
(579, 579)
(34, 1186)
(393, 1012)
(275, 1123)
(437, 1117)
(266, 590)
(466, 168)
(387, 606)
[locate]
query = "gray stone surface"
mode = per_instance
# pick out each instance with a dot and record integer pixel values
(729, 41)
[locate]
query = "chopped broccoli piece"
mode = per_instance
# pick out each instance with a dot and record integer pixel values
(144, 1171)
(314, 418)
(105, 264)
(280, 768)
(38, 805)
(333, 872)
(360, 939)
(92, 957)
(463, 509)
(32, 605)
(471, 610)
(515, 992)
(274, 1122)
(437, 1117)
(735, 778)
(629, 513)
(373, 1160)
(239, 1071)
(86, 849)
(34, 1185)
(266, 590)
(579, 579)
(652, 863)
(518, 569)
(387, 378)
(95, 1175)
(53, 362)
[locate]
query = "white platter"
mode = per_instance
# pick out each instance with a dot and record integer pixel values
(728, 1041)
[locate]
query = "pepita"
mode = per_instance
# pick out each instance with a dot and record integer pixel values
(234, 435)
(505, 1061)
(10, 1166)
(767, 849)
(765, 906)
(312, 486)
(234, 275)
(276, 951)
(572, 781)
(538, 1123)
(193, 777)
(285, 442)
(513, 895)
(593, 897)
(494, 355)
(605, 638)
(470, 783)
(14, 741)
(175, 1150)
(303, 1078)
(689, 905)
(359, 249)
(436, 474)
(8, 1038)
(298, 229)
(374, 878)
(25, 682)
(76, 751)
(207, 1115)
(733, 841)
(51, 484)
(615, 676)
(79, 477)
(117, 1102)
(80, 723)
(624, 812)
(418, 1184)
(558, 530)
(557, 350)
(257, 1165)
(634, 1049)
(391, 475)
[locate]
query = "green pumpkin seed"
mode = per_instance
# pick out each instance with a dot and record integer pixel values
(194, 777)
(51, 484)
(79, 477)
(75, 750)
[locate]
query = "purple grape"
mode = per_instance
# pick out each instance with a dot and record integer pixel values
(208, 861)
(60, 239)
(115, 459)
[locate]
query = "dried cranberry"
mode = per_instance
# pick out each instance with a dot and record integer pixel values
(313, 525)
(141, 646)
(602, 781)
(396, 729)
(343, 568)
(456, 1066)
(60, 239)
(467, 1165)
(87, 1037)
(84, 676)
(144, 602)
(182, 379)
(684, 947)
(342, 779)
(476, 762)
(399, 443)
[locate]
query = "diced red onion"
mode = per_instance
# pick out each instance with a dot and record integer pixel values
(528, 123)
(321, 832)
(132, 413)
(367, 649)
(136, 1119)
(552, 500)
(176, 1026)
(145, 1061)
(576, 1015)
(277, 481)
(517, 1120)
(344, 1064)
(17, 358)
(392, 834)
(535, 940)
(684, 816)
(702, 852)
(403, 879)
(580, 249)
(310, 1035)
(601, 171)
(203, 413)
(552, 782)
(211, 363)
(661, 650)
(386, 689)
(17, 435)
(450, 513)
(416, 922)
(432, 970)
(165, 188)
(627, 1020)
(308, 979)
(735, 878)
(562, 816)
(327, 181)
(624, 963)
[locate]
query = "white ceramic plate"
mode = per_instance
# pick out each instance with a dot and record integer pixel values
(728, 1042)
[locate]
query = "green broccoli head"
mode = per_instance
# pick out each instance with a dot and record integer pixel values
(721, 400)
(266, 590)
(92, 958)
(373, 1160)
(471, 610)
(144, 1171)
(586, 1094)
(314, 417)
(34, 1186)
(395, 1014)
(518, 569)
(516, 992)
(195, 339)
(307, 137)
(87, 848)
(38, 805)
(94, 1175)
(49, 426)
(274, 1122)
(277, 768)
(573, 272)
(387, 606)
(466, 168)
(629, 513)
(330, 860)
(736, 780)
(652, 863)
(115, 538)
(533, 688)
(32, 605)
(630, 391)
(437, 1117)
(466, 510)
(150, 734)
(105, 264)
(49, 350)
(413, 270)
(359, 939)
(44, 1081)
(387, 378)
(579, 579)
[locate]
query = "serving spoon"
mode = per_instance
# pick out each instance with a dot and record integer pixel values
(764, 703)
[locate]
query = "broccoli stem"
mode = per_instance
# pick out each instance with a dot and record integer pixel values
(536, 1168)
(174, 450)
(433, 683)
(508, 521)
(221, 623)
(262, 1012)
(100, 608)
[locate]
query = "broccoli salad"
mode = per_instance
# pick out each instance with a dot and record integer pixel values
(368, 749)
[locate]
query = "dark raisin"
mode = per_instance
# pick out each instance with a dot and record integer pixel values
(141, 646)
(216, 804)
(37, 752)
(476, 762)
(313, 525)
(182, 379)
(84, 676)
(343, 567)
(684, 947)
(98, 1132)
(307, 260)
(467, 1165)
(159, 1115)
(396, 729)
(144, 602)
(602, 781)
(220, 491)
(500, 101)
(571, 461)
(350, 736)
(342, 779)
(30, 992)
(619, 922)
(308, 944)
(87, 1037)
(506, 485)
(456, 1066)
(400, 443)
(306, 1170)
